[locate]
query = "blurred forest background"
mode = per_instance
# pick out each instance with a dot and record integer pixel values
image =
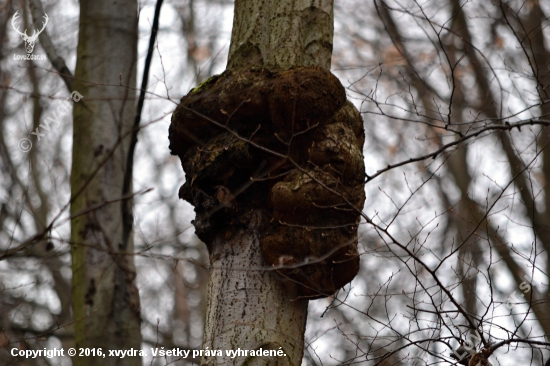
(455, 97)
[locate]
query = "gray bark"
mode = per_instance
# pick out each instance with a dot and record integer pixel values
(105, 298)
(272, 154)
(249, 307)
(282, 34)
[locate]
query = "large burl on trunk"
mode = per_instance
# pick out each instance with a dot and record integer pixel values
(289, 145)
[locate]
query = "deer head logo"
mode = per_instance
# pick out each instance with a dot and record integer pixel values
(29, 41)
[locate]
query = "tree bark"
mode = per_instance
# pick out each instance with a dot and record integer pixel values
(272, 153)
(248, 306)
(281, 34)
(105, 298)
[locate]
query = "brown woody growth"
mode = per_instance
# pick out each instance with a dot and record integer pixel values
(287, 143)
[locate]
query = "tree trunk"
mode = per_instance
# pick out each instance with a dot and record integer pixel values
(248, 306)
(272, 153)
(105, 298)
(276, 35)
(281, 34)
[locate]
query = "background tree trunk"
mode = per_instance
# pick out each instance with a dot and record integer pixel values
(105, 298)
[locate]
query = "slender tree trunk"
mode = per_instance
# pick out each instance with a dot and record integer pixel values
(105, 298)
(539, 219)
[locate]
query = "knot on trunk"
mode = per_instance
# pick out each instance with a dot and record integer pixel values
(287, 143)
